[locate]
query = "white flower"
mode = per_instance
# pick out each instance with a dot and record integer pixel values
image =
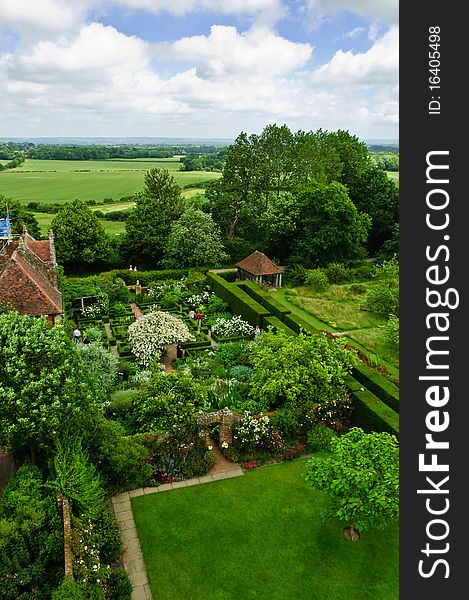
(224, 445)
(210, 447)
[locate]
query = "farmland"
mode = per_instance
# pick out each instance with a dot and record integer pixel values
(61, 181)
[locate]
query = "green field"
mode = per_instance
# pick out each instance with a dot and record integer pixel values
(60, 181)
(45, 220)
(394, 175)
(259, 537)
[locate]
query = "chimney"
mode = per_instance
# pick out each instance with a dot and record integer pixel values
(52, 247)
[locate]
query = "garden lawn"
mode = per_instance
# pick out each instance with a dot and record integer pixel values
(259, 536)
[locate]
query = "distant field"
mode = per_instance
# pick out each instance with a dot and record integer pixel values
(45, 220)
(394, 175)
(60, 181)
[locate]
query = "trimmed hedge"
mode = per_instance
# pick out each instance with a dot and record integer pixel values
(298, 324)
(238, 300)
(228, 275)
(193, 345)
(146, 277)
(235, 338)
(265, 299)
(369, 412)
(278, 325)
(379, 385)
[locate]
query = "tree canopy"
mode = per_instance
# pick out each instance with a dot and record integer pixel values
(361, 478)
(44, 388)
(194, 240)
(148, 225)
(330, 228)
(299, 370)
(79, 236)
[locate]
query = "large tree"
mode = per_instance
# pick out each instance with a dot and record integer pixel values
(44, 387)
(361, 478)
(80, 238)
(298, 371)
(157, 206)
(329, 228)
(194, 241)
(376, 194)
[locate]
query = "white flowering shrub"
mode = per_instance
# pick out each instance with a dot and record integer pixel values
(232, 327)
(251, 432)
(96, 309)
(199, 299)
(152, 332)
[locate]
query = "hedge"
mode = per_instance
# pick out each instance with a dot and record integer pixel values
(369, 412)
(238, 300)
(234, 338)
(228, 275)
(298, 324)
(146, 277)
(265, 299)
(382, 387)
(193, 345)
(278, 325)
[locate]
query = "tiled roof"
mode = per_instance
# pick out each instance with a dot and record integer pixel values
(28, 277)
(257, 263)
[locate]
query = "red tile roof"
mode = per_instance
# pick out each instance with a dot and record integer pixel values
(257, 263)
(28, 277)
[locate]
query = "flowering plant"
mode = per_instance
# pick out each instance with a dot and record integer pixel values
(232, 327)
(149, 334)
(96, 309)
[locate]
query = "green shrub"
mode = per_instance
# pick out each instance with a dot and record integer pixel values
(120, 584)
(383, 298)
(319, 438)
(317, 280)
(241, 372)
(357, 288)
(70, 590)
(337, 273)
(391, 331)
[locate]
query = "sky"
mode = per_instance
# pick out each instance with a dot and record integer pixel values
(198, 68)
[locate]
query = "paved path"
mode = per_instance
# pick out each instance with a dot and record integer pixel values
(114, 349)
(132, 557)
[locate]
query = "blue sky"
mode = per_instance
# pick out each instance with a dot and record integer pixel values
(197, 68)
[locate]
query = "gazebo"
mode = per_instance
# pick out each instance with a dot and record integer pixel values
(259, 268)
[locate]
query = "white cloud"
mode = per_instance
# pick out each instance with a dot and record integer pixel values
(95, 54)
(386, 11)
(226, 53)
(354, 33)
(378, 65)
(36, 18)
(90, 79)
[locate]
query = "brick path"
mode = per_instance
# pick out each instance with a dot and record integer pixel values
(133, 558)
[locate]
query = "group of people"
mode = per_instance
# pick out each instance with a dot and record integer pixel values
(197, 316)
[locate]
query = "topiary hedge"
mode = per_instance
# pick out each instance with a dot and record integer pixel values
(265, 299)
(382, 387)
(369, 412)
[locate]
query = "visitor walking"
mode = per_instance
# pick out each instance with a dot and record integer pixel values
(191, 312)
(76, 335)
(257, 332)
(198, 317)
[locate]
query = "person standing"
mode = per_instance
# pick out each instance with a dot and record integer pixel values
(76, 335)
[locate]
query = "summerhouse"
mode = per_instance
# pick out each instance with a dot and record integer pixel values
(259, 268)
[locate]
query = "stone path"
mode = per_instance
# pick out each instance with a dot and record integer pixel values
(133, 558)
(135, 309)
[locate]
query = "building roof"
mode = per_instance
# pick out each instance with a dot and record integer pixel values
(28, 276)
(258, 263)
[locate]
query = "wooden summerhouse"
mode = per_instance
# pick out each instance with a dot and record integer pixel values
(259, 268)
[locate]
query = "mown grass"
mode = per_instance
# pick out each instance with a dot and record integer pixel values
(259, 537)
(60, 181)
